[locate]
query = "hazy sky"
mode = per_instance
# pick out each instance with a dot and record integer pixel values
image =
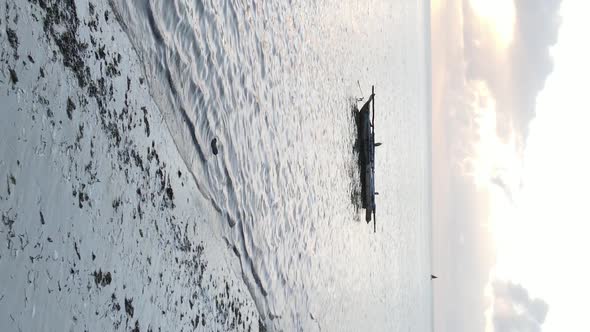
(510, 164)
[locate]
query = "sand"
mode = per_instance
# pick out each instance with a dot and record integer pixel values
(102, 224)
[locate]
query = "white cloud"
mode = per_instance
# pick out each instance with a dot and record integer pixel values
(513, 309)
(543, 239)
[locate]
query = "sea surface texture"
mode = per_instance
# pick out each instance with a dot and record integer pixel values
(274, 83)
(117, 214)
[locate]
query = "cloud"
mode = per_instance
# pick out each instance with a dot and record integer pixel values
(514, 310)
(470, 70)
(517, 74)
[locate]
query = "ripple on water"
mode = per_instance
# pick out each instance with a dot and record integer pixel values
(272, 82)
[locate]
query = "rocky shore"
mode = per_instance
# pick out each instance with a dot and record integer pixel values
(102, 227)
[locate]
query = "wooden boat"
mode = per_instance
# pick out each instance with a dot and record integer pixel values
(366, 139)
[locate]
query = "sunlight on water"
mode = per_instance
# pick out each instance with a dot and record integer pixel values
(274, 83)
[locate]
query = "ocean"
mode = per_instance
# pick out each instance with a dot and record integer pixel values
(115, 213)
(274, 82)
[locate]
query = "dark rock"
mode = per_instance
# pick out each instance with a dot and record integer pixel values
(146, 122)
(12, 40)
(214, 146)
(170, 193)
(70, 108)
(77, 251)
(129, 307)
(13, 77)
(61, 24)
(102, 279)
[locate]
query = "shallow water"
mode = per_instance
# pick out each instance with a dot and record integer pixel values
(274, 82)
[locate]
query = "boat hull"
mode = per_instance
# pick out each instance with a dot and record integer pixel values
(366, 160)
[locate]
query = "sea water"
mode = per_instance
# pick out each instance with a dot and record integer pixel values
(275, 82)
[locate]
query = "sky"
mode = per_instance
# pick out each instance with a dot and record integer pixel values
(510, 164)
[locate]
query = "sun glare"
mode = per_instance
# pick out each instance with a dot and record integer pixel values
(499, 16)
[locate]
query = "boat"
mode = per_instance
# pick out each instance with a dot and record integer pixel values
(366, 140)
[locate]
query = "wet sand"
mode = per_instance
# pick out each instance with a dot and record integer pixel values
(101, 224)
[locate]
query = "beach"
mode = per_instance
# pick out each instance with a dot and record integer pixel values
(101, 226)
(118, 212)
